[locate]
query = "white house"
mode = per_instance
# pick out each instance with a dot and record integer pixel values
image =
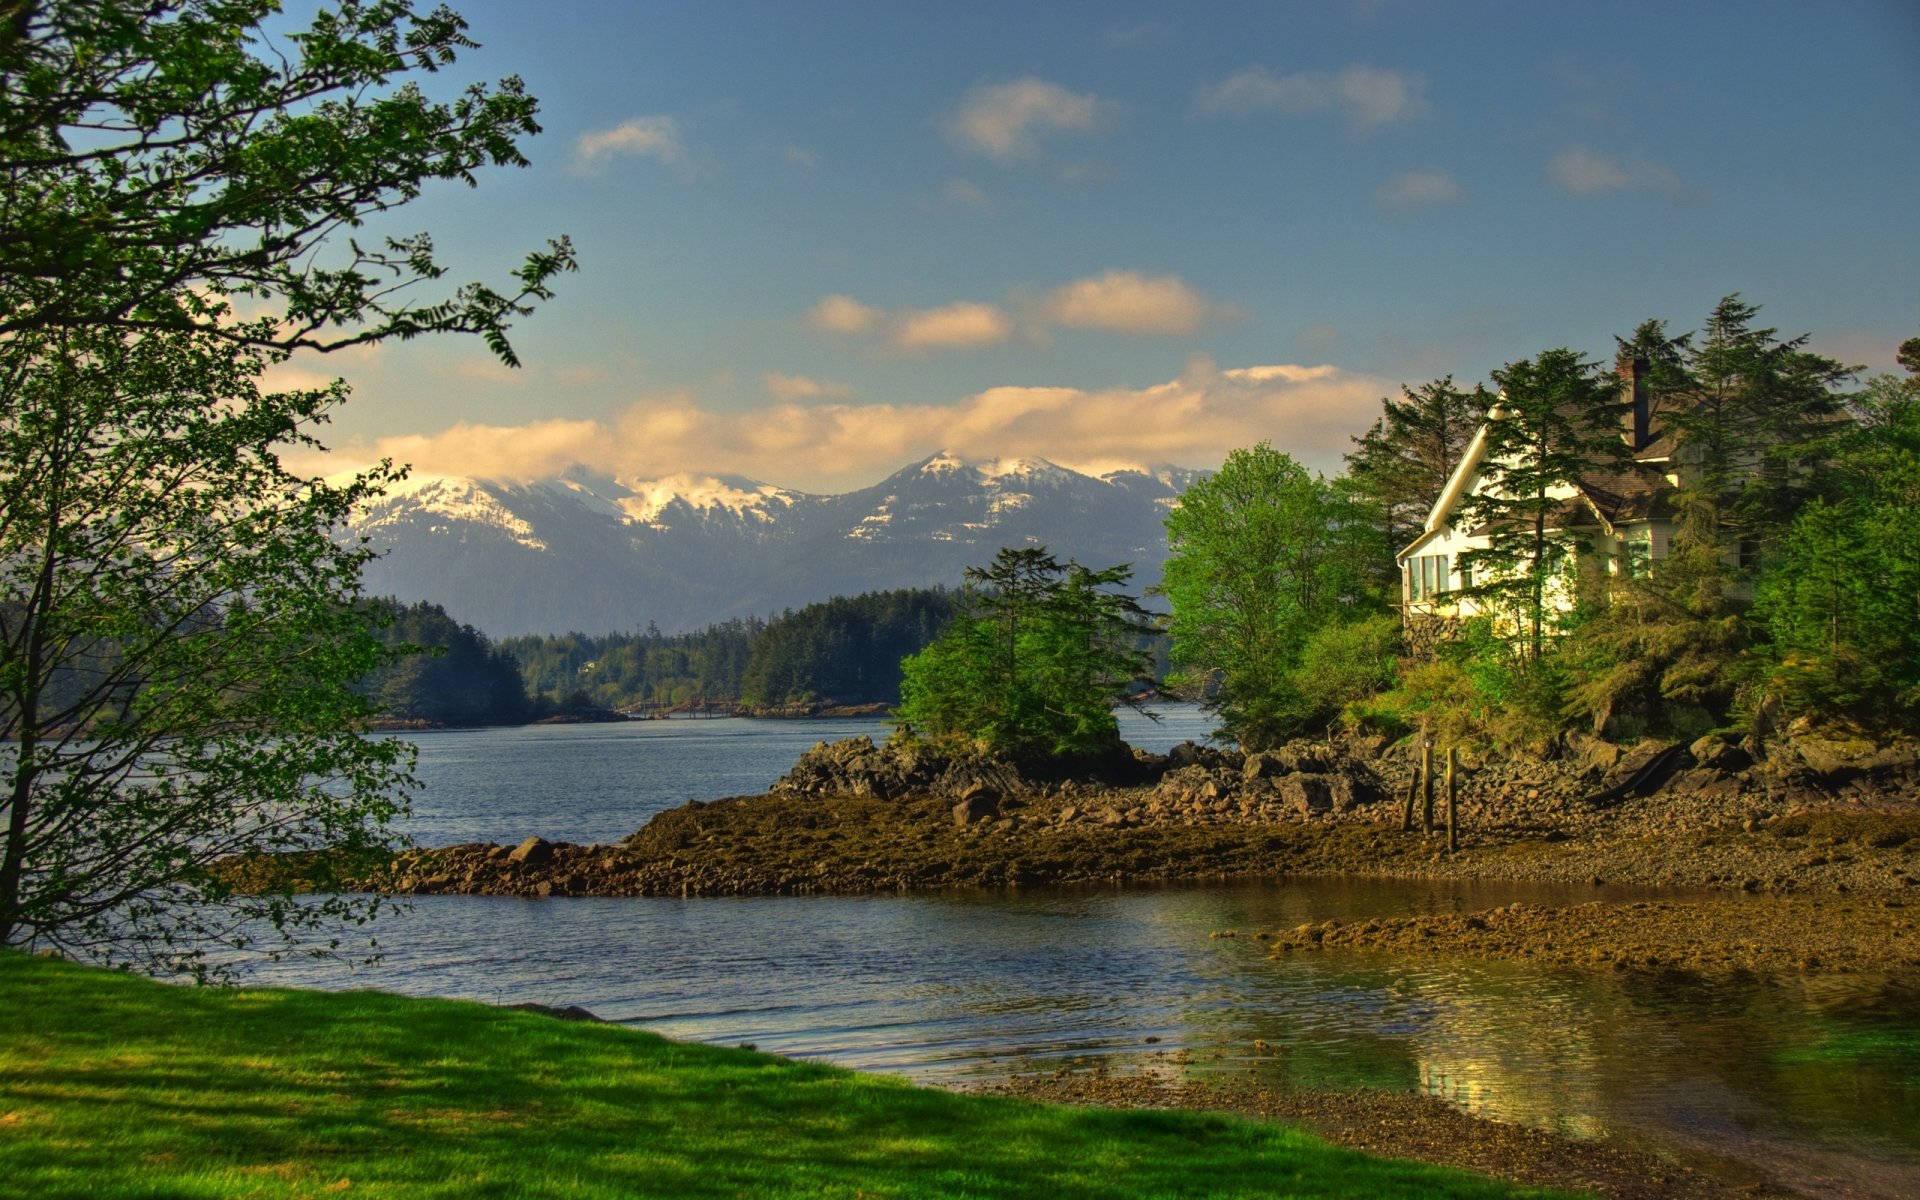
(1624, 515)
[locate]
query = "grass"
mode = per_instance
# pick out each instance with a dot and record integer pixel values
(115, 1086)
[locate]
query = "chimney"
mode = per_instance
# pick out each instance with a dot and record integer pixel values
(1639, 417)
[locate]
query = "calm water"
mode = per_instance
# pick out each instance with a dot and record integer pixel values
(1815, 1084)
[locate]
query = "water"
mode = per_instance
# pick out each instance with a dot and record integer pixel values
(599, 783)
(1814, 1083)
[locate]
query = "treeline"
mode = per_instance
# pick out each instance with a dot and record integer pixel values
(841, 651)
(1785, 586)
(444, 673)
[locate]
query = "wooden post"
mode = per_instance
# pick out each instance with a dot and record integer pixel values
(1413, 785)
(1426, 788)
(1453, 809)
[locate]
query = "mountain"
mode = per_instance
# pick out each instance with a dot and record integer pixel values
(591, 553)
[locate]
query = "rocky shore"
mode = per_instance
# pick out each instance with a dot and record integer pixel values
(1812, 815)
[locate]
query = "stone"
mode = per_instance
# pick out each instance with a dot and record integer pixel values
(534, 852)
(1306, 793)
(981, 803)
(1722, 752)
(1264, 764)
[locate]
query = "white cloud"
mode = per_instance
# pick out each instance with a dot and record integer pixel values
(1309, 411)
(960, 325)
(1419, 189)
(1585, 173)
(799, 156)
(1006, 121)
(799, 387)
(1123, 302)
(842, 314)
(641, 137)
(967, 194)
(1365, 97)
(1128, 302)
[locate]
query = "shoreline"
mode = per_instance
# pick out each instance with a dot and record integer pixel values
(1408, 1125)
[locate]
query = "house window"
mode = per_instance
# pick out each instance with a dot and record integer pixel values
(1637, 559)
(1427, 576)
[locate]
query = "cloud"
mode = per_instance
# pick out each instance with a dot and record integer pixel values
(1128, 302)
(967, 194)
(1419, 189)
(1309, 411)
(842, 314)
(1006, 121)
(962, 324)
(1365, 97)
(641, 137)
(1582, 172)
(1123, 302)
(799, 387)
(801, 157)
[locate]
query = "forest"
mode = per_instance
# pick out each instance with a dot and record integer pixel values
(846, 650)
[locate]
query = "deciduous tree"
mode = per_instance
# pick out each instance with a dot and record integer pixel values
(178, 630)
(1261, 555)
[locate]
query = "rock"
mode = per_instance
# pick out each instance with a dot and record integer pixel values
(1264, 764)
(1306, 793)
(981, 803)
(1722, 752)
(572, 1012)
(534, 852)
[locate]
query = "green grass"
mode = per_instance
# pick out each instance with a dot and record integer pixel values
(115, 1086)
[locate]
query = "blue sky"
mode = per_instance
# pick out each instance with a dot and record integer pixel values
(821, 240)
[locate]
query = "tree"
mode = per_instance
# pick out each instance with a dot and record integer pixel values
(1261, 555)
(1557, 422)
(1402, 463)
(1840, 601)
(178, 644)
(1750, 419)
(1753, 414)
(156, 153)
(178, 631)
(444, 672)
(1036, 666)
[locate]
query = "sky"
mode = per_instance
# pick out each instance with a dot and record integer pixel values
(821, 241)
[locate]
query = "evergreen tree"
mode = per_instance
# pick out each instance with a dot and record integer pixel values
(1402, 463)
(1037, 664)
(1557, 421)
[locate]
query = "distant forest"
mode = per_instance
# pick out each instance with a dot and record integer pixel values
(841, 651)
(458, 678)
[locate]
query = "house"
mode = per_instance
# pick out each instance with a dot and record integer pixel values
(1623, 514)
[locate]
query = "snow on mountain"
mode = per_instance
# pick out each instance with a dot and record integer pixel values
(742, 497)
(593, 553)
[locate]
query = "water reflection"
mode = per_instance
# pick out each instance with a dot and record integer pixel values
(1815, 1082)
(971, 986)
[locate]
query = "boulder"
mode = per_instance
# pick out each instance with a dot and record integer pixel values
(1722, 752)
(980, 803)
(1306, 793)
(534, 852)
(1264, 764)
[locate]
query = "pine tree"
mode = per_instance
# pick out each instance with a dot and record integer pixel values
(1557, 421)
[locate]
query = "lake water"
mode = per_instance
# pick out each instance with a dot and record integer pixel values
(1814, 1083)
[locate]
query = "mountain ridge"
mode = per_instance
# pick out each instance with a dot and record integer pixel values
(593, 553)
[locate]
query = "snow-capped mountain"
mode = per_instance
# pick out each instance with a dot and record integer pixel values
(591, 553)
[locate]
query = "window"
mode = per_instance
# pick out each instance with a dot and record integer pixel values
(1636, 559)
(1426, 576)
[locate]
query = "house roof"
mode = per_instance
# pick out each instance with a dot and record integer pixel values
(1637, 491)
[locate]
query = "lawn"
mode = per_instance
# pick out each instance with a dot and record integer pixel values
(115, 1086)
